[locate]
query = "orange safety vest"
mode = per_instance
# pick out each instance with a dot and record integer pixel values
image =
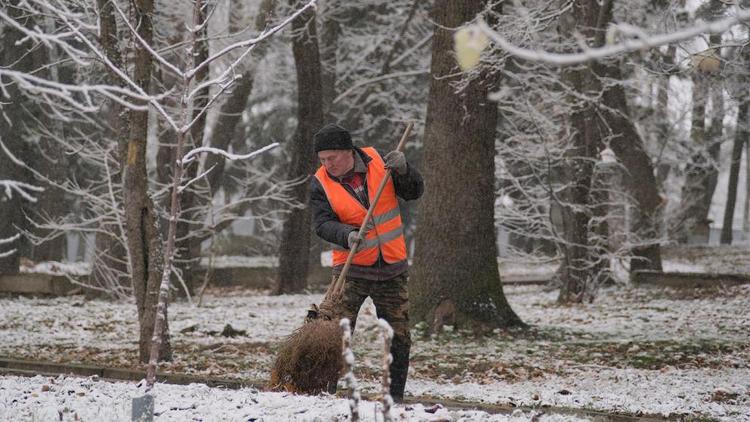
(387, 237)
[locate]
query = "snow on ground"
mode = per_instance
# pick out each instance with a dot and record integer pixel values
(651, 351)
(73, 399)
(613, 390)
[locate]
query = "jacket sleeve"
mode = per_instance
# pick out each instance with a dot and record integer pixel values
(325, 222)
(409, 186)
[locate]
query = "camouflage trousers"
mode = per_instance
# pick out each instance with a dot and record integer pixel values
(391, 301)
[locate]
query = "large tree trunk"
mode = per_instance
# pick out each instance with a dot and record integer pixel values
(740, 138)
(295, 239)
(144, 240)
(456, 279)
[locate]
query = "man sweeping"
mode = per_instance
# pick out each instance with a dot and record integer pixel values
(342, 189)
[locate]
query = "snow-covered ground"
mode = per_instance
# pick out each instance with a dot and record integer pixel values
(83, 399)
(638, 351)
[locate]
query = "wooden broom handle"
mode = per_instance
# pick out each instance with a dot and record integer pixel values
(338, 286)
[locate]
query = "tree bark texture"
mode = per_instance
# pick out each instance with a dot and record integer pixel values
(455, 279)
(296, 234)
(740, 139)
(144, 240)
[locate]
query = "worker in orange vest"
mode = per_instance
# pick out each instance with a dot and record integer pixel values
(342, 189)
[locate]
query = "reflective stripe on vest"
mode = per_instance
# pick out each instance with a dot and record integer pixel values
(387, 237)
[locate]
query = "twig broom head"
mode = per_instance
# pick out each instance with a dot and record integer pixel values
(309, 360)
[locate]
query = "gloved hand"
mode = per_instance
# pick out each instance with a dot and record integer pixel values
(352, 237)
(396, 160)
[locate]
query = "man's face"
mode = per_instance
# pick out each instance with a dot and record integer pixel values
(338, 162)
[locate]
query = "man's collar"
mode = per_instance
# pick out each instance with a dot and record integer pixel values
(359, 163)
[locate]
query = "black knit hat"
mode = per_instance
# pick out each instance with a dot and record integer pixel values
(332, 136)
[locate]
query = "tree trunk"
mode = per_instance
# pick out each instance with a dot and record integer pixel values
(577, 273)
(456, 279)
(693, 191)
(329, 37)
(188, 243)
(746, 216)
(294, 250)
(235, 103)
(109, 261)
(715, 133)
(51, 161)
(740, 138)
(593, 126)
(629, 148)
(12, 134)
(144, 240)
(664, 133)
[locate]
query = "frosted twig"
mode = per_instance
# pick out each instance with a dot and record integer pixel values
(196, 178)
(6, 241)
(9, 239)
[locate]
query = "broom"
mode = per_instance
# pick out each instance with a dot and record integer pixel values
(310, 359)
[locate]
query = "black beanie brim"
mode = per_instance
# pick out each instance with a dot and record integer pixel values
(332, 136)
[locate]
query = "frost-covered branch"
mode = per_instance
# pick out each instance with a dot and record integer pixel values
(638, 41)
(190, 156)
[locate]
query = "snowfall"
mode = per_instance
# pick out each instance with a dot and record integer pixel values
(654, 352)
